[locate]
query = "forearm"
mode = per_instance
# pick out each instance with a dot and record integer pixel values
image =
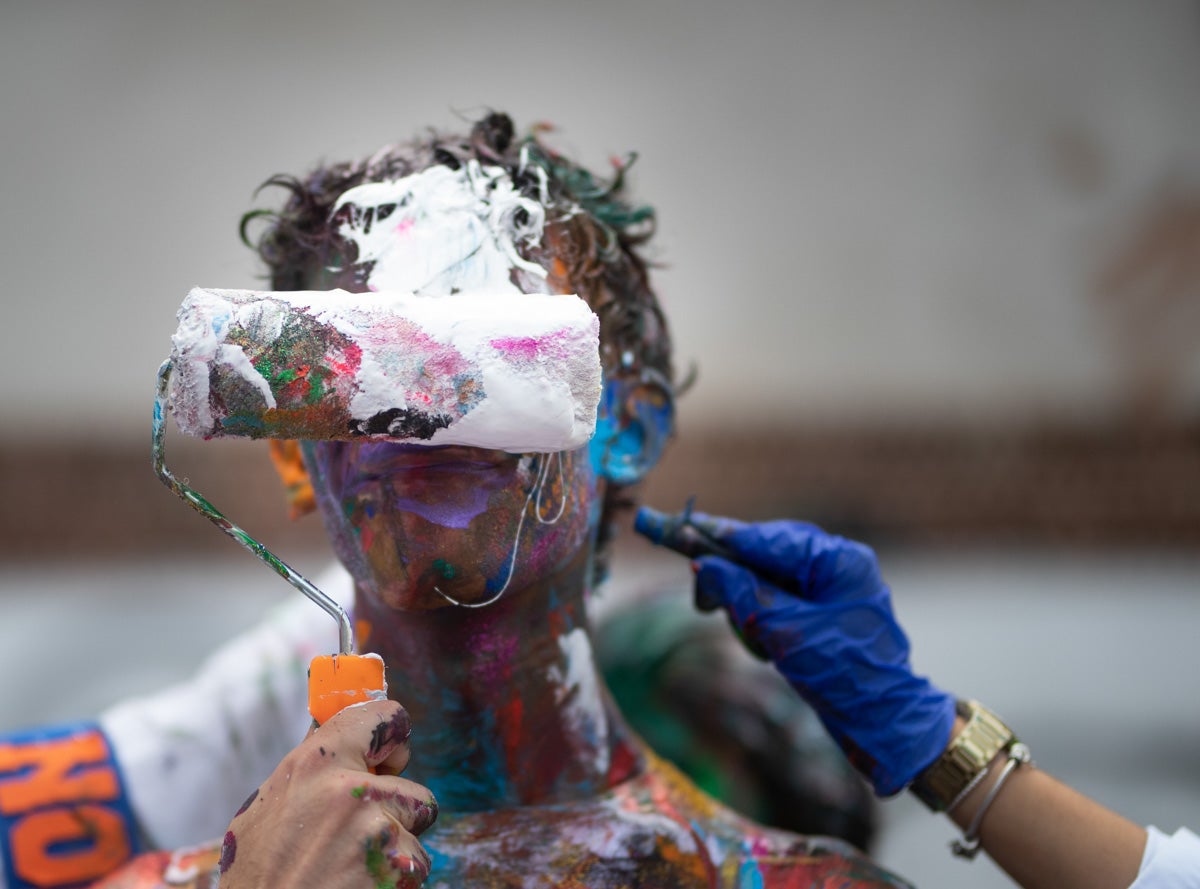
(1047, 836)
(816, 604)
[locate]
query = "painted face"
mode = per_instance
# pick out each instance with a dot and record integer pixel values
(409, 521)
(415, 525)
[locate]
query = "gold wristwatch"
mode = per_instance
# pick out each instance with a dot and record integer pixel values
(965, 761)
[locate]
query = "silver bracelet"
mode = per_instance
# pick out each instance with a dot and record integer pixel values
(968, 847)
(962, 794)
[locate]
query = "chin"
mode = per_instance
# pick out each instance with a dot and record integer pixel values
(420, 594)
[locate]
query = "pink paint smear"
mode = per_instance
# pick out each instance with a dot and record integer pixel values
(533, 348)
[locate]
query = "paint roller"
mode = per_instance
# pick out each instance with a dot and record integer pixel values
(498, 370)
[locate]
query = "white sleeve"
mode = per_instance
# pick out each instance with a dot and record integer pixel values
(192, 753)
(1169, 862)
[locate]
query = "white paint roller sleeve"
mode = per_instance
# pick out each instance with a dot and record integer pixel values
(509, 371)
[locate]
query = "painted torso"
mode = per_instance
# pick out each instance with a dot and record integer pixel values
(655, 829)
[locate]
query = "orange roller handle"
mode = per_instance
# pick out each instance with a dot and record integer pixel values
(335, 681)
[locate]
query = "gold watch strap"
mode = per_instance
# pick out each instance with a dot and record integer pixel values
(966, 759)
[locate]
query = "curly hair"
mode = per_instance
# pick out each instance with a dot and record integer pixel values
(590, 245)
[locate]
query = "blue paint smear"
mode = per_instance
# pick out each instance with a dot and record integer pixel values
(484, 776)
(624, 448)
(219, 322)
(749, 876)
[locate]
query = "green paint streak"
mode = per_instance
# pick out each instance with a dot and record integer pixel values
(377, 865)
(319, 379)
(444, 568)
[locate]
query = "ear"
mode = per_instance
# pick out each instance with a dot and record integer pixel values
(634, 422)
(289, 463)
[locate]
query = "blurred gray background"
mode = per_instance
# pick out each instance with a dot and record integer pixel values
(937, 264)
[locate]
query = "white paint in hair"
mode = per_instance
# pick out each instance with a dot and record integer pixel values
(441, 231)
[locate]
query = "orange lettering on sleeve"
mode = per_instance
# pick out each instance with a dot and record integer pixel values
(99, 843)
(56, 776)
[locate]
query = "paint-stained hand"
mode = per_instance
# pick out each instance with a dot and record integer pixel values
(816, 604)
(325, 819)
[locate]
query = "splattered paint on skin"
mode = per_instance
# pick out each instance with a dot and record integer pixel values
(654, 829)
(521, 747)
(421, 814)
(447, 512)
(394, 732)
(377, 863)
(396, 507)
(577, 685)
(228, 852)
(390, 869)
(488, 698)
(254, 795)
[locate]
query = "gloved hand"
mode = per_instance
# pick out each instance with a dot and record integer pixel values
(816, 604)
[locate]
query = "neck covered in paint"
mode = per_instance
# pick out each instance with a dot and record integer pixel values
(508, 707)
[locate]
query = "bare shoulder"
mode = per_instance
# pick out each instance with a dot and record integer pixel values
(656, 829)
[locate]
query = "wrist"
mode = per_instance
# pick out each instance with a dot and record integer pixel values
(964, 813)
(977, 739)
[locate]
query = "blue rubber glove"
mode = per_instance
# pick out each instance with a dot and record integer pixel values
(816, 605)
